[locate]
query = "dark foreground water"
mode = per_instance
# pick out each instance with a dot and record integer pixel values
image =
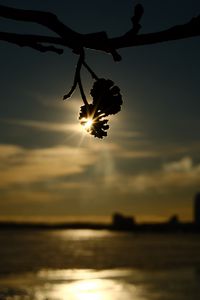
(98, 265)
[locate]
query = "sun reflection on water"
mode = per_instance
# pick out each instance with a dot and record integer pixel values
(83, 290)
(90, 285)
(96, 289)
(83, 234)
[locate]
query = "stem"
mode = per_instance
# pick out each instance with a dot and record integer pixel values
(76, 76)
(94, 76)
(82, 91)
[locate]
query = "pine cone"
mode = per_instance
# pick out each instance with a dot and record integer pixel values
(106, 96)
(98, 126)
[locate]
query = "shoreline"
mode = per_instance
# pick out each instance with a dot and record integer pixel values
(136, 228)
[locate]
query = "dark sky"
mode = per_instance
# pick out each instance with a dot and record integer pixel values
(148, 166)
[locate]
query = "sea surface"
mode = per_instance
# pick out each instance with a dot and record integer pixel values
(98, 265)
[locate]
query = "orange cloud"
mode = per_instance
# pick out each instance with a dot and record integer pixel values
(22, 166)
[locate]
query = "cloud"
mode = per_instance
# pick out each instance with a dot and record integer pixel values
(8, 151)
(123, 152)
(22, 166)
(25, 196)
(87, 172)
(45, 126)
(183, 165)
(177, 174)
(138, 154)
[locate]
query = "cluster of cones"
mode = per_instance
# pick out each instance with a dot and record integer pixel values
(107, 100)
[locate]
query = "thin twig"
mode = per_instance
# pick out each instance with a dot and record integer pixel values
(82, 92)
(94, 76)
(81, 60)
(76, 76)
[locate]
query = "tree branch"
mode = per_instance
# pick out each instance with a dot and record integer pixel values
(28, 41)
(187, 30)
(46, 19)
(71, 38)
(97, 41)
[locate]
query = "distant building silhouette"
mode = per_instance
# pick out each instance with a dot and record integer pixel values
(174, 220)
(197, 209)
(120, 222)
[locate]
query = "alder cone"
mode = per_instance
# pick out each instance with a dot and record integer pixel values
(86, 111)
(99, 126)
(106, 96)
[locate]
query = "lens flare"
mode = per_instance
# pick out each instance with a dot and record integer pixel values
(87, 123)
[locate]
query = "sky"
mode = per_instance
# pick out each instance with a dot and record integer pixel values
(148, 166)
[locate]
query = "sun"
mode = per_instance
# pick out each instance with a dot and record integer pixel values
(87, 123)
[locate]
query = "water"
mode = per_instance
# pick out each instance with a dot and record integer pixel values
(98, 265)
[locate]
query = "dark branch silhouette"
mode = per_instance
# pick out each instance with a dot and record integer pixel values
(67, 37)
(28, 40)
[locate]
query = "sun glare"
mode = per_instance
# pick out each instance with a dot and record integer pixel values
(87, 123)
